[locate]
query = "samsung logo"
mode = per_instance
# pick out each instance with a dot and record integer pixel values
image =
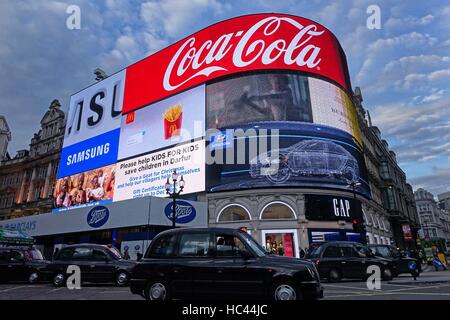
(185, 212)
(97, 217)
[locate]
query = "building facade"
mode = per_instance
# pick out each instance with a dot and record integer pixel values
(434, 220)
(27, 180)
(392, 209)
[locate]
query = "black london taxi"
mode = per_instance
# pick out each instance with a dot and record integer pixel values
(22, 264)
(346, 259)
(213, 263)
(403, 264)
(97, 263)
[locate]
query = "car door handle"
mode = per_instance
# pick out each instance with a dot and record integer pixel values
(176, 270)
(10, 265)
(92, 266)
(343, 262)
(220, 270)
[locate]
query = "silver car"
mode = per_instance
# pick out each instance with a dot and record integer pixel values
(308, 158)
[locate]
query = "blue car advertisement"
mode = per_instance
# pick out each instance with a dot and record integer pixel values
(282, 154)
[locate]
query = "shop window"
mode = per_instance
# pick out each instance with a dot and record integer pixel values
(277, 210)
(233, 212)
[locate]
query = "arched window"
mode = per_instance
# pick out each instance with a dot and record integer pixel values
(277, 210)
(233, 212)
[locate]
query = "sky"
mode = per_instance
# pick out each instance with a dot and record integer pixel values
(403, 69)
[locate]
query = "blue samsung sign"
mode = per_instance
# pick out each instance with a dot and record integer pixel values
(92, 153)
(97, 217)
(185, 212)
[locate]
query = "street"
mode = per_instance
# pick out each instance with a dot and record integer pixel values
(429, 286)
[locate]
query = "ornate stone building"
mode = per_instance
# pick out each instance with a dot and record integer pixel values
(26, 181)
(392, 206)
(5, 137)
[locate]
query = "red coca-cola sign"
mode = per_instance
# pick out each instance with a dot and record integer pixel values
(247, 43)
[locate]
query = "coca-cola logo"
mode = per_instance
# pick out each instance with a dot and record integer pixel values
(97, 217)
(259, 44)
(184, 211)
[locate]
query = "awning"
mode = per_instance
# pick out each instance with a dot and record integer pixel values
(15, 237)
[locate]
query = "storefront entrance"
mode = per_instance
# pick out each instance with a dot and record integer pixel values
(283, 242)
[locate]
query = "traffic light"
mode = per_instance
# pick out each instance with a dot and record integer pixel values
(358, 226)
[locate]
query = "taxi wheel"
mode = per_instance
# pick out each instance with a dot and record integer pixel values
(34, 277)
(285, 289)
(387, 274)
(58, 279)
(334, 275)
(157, 290)
(121, 278)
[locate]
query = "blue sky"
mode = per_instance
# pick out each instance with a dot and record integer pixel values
(403, 69)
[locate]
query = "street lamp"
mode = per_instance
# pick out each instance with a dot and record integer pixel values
(354, 185)
(174, 194)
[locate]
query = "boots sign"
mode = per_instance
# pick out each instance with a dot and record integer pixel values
(253, 42)
(332, 208)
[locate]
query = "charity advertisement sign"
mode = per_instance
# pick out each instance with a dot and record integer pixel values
(174, 120)
(93, 126)
(146, 175)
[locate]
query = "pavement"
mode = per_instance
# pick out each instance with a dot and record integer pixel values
(431, 285)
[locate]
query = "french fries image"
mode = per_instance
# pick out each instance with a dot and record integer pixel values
(172, 121)
(173, 113)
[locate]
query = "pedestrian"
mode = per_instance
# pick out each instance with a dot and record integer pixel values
(139, 256)
(302, 253)
(126, 255)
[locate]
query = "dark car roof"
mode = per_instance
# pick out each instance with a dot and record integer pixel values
(183, 230)
(340, 243)
(86, 245)
(24, 248)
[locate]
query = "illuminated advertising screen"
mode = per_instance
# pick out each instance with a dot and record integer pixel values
(92, 187)
(146, 175)
(177, 119)
(280, 97)
(91, 138)
(285, 154)
(242, 44)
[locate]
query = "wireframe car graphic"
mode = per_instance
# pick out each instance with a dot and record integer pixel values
(308, 158)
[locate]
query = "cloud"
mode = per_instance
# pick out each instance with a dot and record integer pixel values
(436, 182)
(421, 132)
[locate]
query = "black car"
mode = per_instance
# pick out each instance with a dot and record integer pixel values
(403, 264)
(98, 263)
(220, 263)
(22, 264)
(345, 259)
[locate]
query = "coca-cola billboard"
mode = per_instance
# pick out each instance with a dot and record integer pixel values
(247, 43)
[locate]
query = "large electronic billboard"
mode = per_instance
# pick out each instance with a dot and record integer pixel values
(138, 125)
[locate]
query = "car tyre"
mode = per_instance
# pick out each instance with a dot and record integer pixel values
(387, 274)
(34, 277)
(58, 279)
(285, 289)
(334, 275)
(157, 290)
(122, 278)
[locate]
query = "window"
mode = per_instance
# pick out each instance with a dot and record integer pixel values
(233, 212)
(163, 247)
(277, 210)
(349, 252)
(17, 256)
(384, 170)
(81, 254)
(332, 252)
(194, 244)
(4, 256)
(229, 246)
(99, 255)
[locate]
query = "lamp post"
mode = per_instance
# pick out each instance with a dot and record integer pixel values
(354, 185)
(174, 194)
